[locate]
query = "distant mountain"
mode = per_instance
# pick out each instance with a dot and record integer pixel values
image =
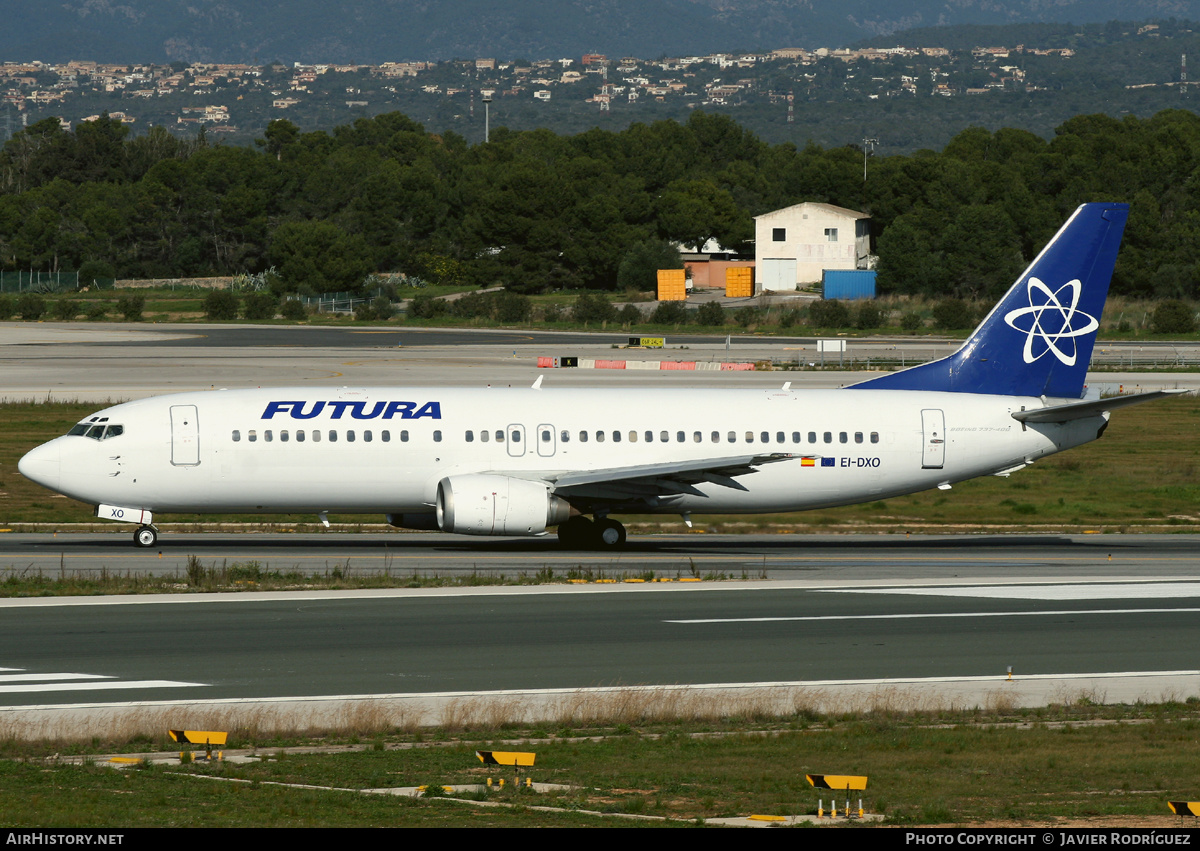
(372, 31)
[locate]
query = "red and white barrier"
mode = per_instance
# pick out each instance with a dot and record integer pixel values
(702, 366)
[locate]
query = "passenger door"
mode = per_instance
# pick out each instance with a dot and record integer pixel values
(933, 428)
(185, 435)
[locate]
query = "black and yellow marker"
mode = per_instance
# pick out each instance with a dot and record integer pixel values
(517, 759)
(838, 782)
(208, 738)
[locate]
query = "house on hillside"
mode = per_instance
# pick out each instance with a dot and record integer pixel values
(793, 246)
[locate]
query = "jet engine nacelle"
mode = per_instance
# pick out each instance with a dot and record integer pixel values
(480, 504)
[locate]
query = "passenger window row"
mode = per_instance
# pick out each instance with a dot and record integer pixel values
(778, 437)
(546, 436)
(486, 436)
(315, 435)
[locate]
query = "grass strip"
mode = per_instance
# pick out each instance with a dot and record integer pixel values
(1077, 763)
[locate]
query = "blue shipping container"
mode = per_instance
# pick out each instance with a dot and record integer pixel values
(848, 283)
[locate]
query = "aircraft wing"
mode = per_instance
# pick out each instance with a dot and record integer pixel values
(1078, 410)
(649, 480)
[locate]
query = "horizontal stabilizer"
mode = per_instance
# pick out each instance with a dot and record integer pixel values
(1079, 410)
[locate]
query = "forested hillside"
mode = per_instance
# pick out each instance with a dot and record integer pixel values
(390, 30)
(535, 211)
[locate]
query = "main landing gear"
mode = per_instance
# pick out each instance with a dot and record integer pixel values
(603, 533)
(145, 537)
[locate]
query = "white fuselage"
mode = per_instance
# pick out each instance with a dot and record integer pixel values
(384, 450)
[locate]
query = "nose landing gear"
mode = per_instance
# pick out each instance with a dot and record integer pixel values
(145, 537)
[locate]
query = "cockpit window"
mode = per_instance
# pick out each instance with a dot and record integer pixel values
(96, 430)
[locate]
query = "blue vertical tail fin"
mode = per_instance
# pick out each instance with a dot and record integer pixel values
(1038, 340)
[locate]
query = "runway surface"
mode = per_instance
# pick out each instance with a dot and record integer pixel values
(944, 616)
(569, 638)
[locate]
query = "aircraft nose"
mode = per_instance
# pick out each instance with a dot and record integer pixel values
(42, 465)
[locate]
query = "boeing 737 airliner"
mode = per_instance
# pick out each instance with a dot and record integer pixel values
(520, 461)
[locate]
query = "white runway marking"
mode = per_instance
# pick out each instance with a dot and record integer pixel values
(25, 682)
(934, 615)
(13, 678)
(94, 686)
(1111, 591)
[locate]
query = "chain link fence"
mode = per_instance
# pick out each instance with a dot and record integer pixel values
(23, 281)
(344, 302)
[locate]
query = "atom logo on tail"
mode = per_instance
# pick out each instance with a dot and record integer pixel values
(1052, 322)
